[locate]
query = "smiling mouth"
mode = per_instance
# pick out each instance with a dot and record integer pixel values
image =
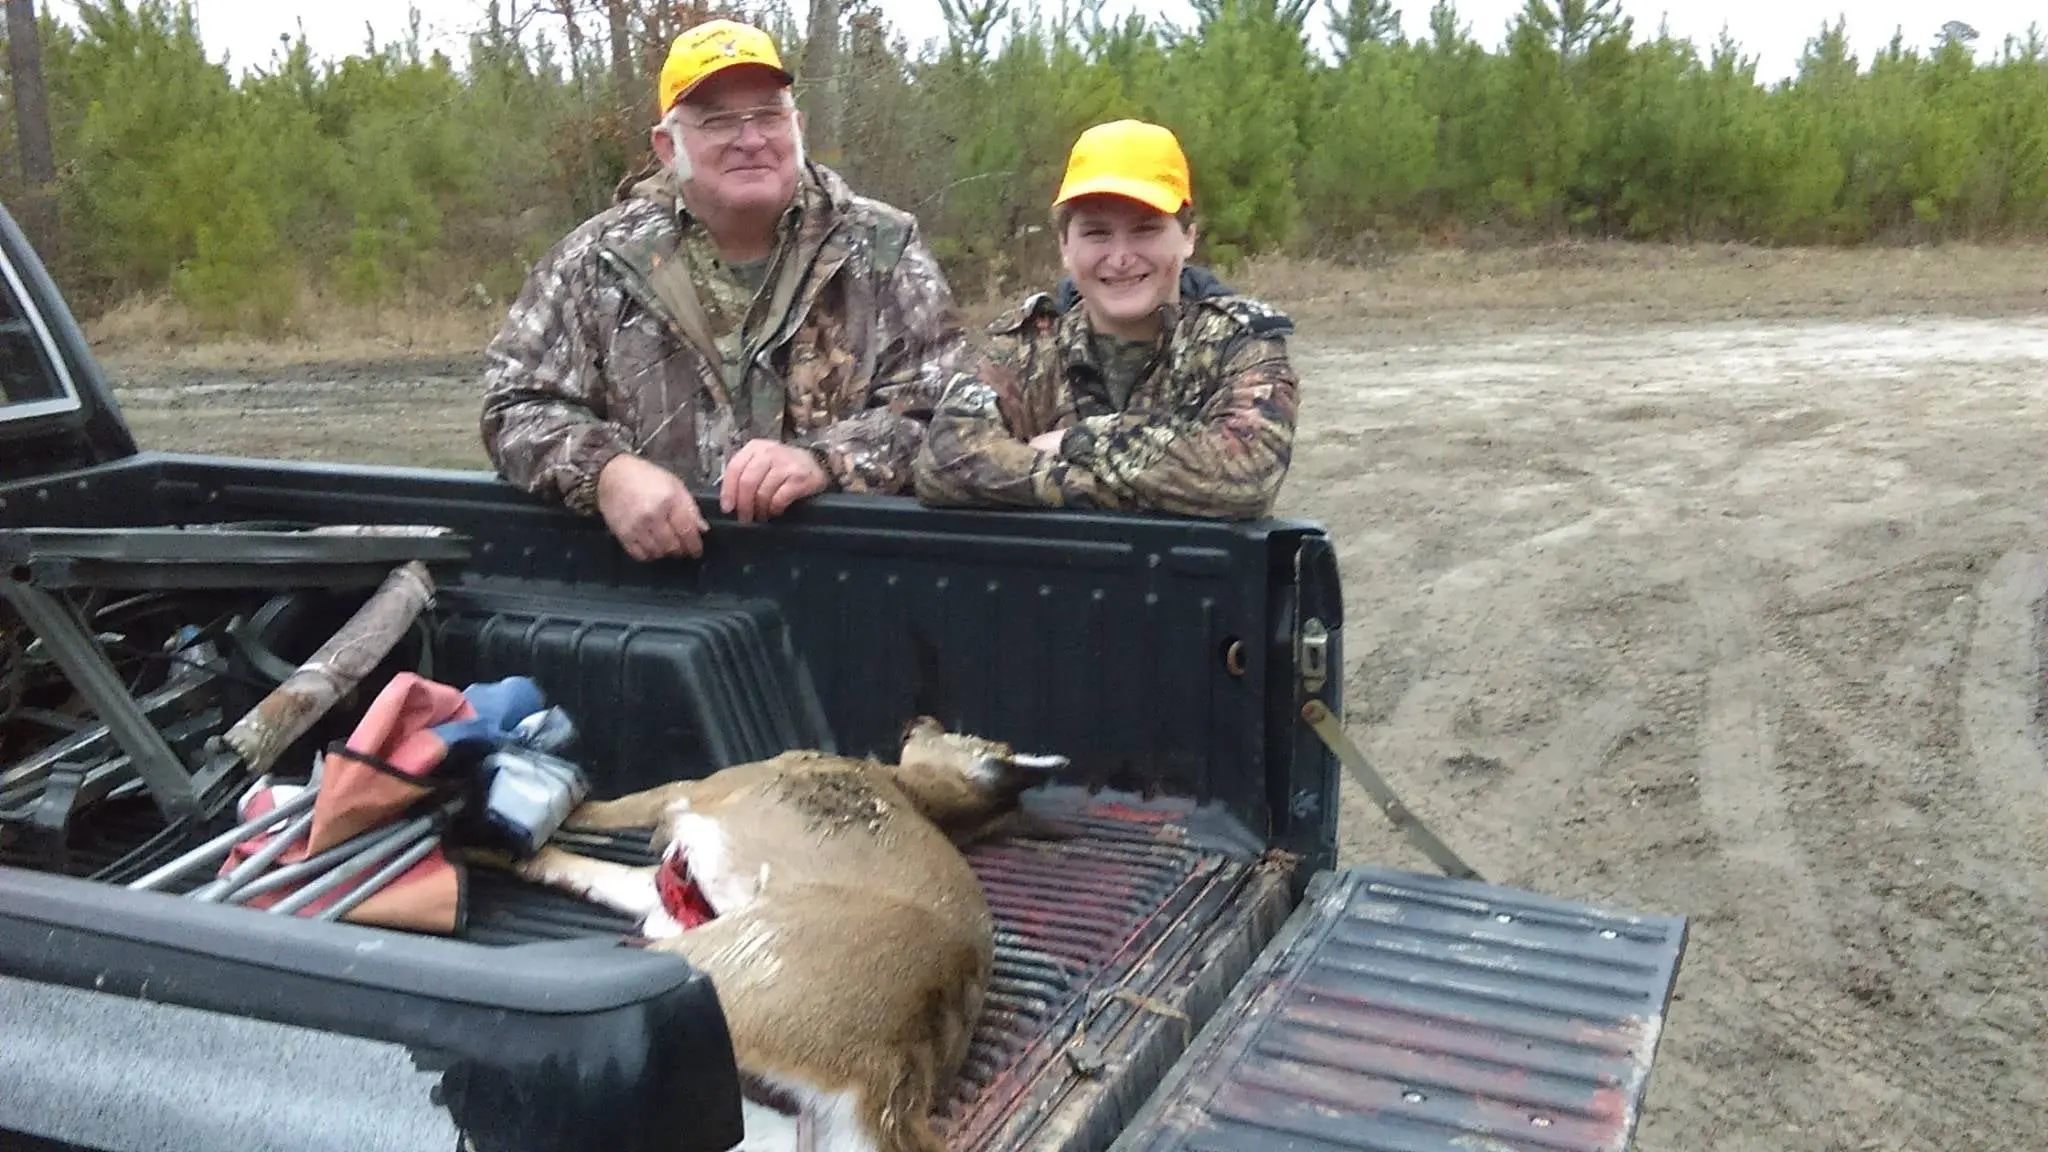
(1125, 281)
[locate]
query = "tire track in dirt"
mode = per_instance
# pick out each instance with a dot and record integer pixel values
(1865, 969)
(2001, 685)
(1778, 788)
(1931, 945)
(1513, 834)
(1740, 787)
(1476, 613)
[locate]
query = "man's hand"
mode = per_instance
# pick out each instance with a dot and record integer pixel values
(765, 477)
(1049, 441)
(649, 509)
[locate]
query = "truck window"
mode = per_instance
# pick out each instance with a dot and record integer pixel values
(32, 380)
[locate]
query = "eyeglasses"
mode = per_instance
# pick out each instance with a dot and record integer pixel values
(725, 127)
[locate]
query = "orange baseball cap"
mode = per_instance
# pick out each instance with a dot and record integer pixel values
(710, 48)
(1129, 158)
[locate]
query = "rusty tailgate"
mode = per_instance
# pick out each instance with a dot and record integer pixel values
(1408, 1012)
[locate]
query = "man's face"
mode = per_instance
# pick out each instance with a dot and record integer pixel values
(741, 144)
(1125, 258)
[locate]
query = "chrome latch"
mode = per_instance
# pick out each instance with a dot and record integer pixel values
(1314, 655)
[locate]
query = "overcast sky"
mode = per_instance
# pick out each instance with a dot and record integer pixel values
(1774, 31)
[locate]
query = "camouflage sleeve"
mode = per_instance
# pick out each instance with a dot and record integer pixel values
(922, 343)
(977, 453)
(543, 420)
(1225, 461)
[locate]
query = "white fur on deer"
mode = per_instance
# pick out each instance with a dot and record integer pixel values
(824, 1122)
(848, 939)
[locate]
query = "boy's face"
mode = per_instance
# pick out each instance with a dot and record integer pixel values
(1125, 258)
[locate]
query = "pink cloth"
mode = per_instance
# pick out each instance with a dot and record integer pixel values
(357, 795)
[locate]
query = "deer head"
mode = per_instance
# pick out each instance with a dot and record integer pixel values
(961, 782)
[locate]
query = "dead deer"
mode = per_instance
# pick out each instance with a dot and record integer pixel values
(829, 900)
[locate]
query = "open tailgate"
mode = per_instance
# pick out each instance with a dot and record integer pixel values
(1404, 1011)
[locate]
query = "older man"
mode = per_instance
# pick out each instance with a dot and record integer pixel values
(739, 317)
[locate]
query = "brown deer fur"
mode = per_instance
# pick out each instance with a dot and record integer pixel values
(852, 943)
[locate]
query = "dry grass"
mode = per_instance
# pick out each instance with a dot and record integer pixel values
(1612, 280)
(159, 330)
(1653, 282)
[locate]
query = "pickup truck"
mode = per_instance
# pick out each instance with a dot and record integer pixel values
(1193, 970)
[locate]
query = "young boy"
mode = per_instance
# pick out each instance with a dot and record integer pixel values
(1144, 384)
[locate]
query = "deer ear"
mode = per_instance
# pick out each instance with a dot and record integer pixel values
(924, 726)
(1016, 770)
(1038, 764)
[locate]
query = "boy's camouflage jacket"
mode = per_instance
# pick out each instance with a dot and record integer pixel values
(597, 356)
(1208, 431)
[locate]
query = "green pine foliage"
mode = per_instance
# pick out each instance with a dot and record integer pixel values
(1315, 126)
(1372, 103)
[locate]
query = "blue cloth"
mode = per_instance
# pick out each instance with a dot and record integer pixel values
(500, 706)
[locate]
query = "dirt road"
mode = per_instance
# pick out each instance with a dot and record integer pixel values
(1727, 610)
(1736, 620)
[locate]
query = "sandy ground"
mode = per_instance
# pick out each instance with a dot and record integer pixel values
(1701, 582)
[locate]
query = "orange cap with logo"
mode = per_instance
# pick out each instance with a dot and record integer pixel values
(1129, 158)
(710, 48)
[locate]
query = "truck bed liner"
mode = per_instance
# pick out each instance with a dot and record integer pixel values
(1399, 1012)
(1094, 934)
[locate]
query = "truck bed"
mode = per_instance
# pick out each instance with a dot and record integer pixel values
(1154, 654)
(1113, 945)
(1112, 948)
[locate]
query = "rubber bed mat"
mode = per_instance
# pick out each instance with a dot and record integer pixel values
(1105, 944)
(1405, 1012)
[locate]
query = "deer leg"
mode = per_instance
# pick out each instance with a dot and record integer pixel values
(635, 810)
(894, 1118)
(615, 886)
